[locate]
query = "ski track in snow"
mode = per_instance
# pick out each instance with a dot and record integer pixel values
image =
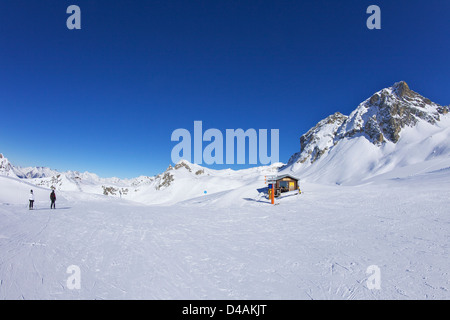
(317, 245)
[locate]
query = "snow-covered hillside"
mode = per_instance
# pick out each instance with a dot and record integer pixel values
(394, 128)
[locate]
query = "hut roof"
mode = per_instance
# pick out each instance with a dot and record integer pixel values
(286, 176)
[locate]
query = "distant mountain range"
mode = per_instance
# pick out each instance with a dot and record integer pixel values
(394, 128)
(180, 182)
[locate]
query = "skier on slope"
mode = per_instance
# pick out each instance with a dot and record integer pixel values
(53, 200)
(31, 198)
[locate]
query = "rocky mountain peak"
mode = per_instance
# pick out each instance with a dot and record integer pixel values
(380, 119)
(183, 163)
(401, 89)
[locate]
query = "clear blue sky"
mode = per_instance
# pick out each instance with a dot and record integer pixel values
(106, 98)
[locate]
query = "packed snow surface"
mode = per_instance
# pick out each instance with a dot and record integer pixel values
(232, 244)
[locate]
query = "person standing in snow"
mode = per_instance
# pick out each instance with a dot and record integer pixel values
(53, 199)
(31, 198)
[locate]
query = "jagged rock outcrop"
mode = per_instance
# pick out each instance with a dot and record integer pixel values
(199, 172)
(165, 181)
(6, 169)
(114, 191)
(182, 164)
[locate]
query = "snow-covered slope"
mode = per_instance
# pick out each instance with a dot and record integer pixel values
(318, 245)
(15, 191)
(394, 128)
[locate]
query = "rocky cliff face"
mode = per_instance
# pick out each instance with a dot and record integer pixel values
(6, 168)
(319, 139)
(380, 119)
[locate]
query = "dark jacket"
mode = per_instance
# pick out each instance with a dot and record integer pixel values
(53, 196)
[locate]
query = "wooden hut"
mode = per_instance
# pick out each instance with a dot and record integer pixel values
(283, 183)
